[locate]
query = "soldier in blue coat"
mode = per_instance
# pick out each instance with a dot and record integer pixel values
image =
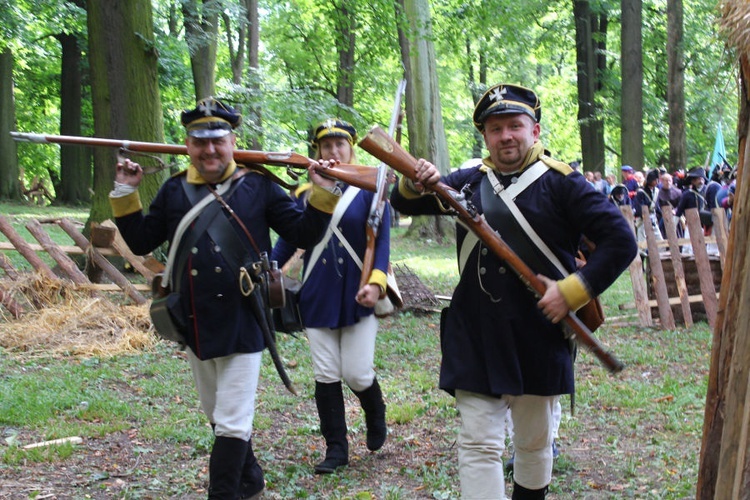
(223, 338)
(692, 196)
(337, 312)
(647, 196)
(501, 347)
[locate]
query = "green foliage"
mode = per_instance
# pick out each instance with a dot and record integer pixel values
(31, 28)
(532, 43)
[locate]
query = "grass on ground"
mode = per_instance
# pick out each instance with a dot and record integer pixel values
(635, 435)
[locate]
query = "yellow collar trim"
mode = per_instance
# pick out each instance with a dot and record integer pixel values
(194, 177)
(535, 151)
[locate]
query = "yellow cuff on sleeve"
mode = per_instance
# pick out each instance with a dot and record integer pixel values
(407, 189)
(574, 291)
(126, 205)
(323, 200)
(378, 277)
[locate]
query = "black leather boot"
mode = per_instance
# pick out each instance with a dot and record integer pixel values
(225, 468)
(372, 402)
(521, 493)
(329, 399)
(252, 482)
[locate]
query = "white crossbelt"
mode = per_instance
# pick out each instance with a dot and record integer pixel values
(338, 212)
(509, 195)
(186, 220)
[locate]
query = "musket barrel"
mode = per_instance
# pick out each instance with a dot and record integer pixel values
(361, 176)
(143, 147)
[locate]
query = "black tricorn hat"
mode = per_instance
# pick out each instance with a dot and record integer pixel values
(211, 118)
(334, 127)
(507, 99)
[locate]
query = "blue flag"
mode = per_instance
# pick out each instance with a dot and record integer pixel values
(720, 152)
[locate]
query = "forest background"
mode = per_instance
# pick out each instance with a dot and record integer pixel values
(644, 83)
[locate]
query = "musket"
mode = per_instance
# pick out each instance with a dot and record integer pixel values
(362, 176)
(382, 147)
(377, 208)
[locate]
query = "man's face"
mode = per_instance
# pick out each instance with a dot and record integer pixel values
(211, 157)
(508, 138)
(335, 148)
(666, 182)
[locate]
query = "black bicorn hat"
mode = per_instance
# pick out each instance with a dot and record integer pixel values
(334, 127)
(211, 118)
(507, 99)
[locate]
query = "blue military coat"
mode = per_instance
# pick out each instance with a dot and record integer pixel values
(494, 339)
(218, 319)
(327, 298)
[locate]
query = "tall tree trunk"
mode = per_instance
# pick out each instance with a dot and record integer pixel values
(345, 47)
(125, 91)
(733, 477)
(75, 161)
(424, 115)
(676, 86)
(10, 188)
(724, 462)
(587, 63)
(201, 30)
(631, 100)
(402, 26)
(255, 116)
(236, 53)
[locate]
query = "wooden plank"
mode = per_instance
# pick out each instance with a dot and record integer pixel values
(66, 263)
(640, 295)
(7, 300)
(111, 287)
(719, 232)
(658, 282)
(705, 277)
(25, 250)
(681, 241)
(138, 262)
(8, 267)
(679, 271)
(106, 266)
(693, 299)
(69, 249)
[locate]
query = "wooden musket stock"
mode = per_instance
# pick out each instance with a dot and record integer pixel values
(362, 176)
(382, 147)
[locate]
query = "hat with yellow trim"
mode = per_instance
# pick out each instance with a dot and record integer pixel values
(211, 118)
(333, 127)
(507, 99)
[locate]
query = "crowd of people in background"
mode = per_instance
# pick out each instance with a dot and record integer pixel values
(666, 194)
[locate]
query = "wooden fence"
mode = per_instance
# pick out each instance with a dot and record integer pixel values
(670, 284)
(107, 242)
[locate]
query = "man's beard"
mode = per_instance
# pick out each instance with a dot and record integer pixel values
(508, 158)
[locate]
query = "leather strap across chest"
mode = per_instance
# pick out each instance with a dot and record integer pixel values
(502, 213)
